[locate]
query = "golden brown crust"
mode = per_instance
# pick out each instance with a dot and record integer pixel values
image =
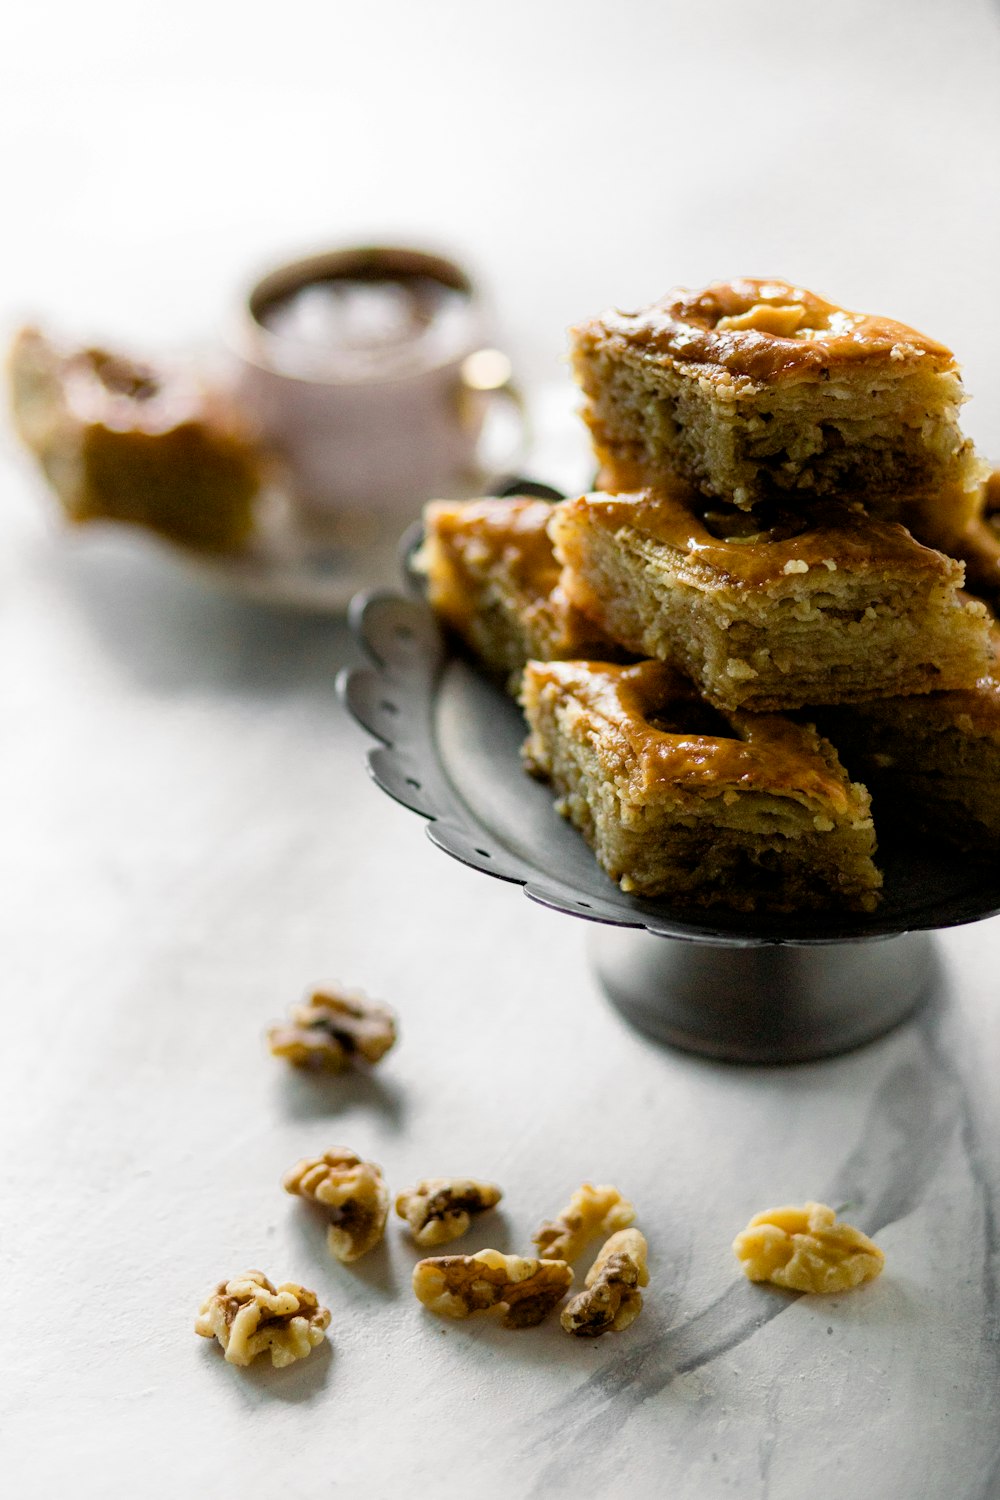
(762, 752)
(977, 541)
(933, 763)
(977, 708)
(135, 441)
(493, 578)
(749, 810)
(762, 330)
(760, 549)
(480, 535)
(787, 616)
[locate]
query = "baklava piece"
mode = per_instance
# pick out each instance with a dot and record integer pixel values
(677, 800)
(125, 441)
(492, 577)
(978, 544)
(932, 763)
(768, 611)
(751, 389)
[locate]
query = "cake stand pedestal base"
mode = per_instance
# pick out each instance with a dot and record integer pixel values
(765, 1003)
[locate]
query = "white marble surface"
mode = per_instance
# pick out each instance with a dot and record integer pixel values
(190, 838)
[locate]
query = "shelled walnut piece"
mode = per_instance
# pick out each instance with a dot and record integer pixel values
(454, 1286)
(611, 1299)
(333, 1030)
(589, 1212)
(806, 1250)
(440, 1209)
(353, 1193)
(250, 1316)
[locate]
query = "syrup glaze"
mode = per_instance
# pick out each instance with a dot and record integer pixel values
(765, 547)
(763, 330)
(481, 534)
(764, 752)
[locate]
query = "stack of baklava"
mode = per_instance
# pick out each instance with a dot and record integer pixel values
(772, 567)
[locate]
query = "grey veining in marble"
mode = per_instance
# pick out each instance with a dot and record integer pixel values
(922, 1111)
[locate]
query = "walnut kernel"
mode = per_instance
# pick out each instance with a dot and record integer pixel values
(353, 1193)
(590, 1211)
(248, 1315)
(783, 319)
(440, 1209)
(807, 1250)
(333, 1030)
(611, 1299)
(453, 1286)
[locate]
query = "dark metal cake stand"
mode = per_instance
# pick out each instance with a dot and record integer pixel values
(748, 988)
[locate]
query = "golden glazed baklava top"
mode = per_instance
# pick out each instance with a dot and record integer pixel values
(762, 330)
(484, 533)
(766, 546)
(668, 736)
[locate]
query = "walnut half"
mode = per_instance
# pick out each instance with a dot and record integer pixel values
(590, 1211)
(783, 319)
(806, 1250)
(453, 1286)
(333, 1030)
(249, 1315)
(611, 1299)
(440, 1209)
(353, 1193)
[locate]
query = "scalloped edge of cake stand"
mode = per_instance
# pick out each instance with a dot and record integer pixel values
(730, 985)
